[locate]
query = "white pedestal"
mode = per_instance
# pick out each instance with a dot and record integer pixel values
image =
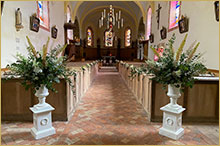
(172, 122)
(42, 121)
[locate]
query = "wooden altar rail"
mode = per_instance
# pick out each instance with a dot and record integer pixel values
(201, 101)
(124, 53)
(15, 100)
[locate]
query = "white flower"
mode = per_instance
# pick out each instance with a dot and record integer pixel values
(37, 70)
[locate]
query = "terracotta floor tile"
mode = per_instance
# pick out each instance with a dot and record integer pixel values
(107, 114)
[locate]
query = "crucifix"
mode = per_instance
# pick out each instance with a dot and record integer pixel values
(158, 15)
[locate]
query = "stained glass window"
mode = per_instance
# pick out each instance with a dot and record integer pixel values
(43, 14)
(108, 38)
(149, 14)
(174, 14)
(89, 37)
(128, 37)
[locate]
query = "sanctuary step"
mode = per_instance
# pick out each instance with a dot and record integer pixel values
(108, 69)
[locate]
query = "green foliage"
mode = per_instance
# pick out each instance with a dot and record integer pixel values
(40, 68)
(178, 68)
(179, 71)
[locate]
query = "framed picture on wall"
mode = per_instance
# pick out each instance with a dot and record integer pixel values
(34, 23)
(183, 24)
(151, 38)
(163, 33)
(54, 32)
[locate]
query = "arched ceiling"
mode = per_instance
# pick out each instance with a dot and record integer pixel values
(134, 9)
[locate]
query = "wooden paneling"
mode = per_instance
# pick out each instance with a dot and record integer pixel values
(125, 53)
(202, 101)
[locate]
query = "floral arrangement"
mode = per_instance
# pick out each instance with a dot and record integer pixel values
(40, 68)
(178, 69)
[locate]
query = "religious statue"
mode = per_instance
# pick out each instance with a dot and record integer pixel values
(18, 19)
(140, 50)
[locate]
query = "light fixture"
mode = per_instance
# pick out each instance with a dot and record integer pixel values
(111, 19)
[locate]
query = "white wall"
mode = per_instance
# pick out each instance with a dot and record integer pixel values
(203, 27)
(13, 41)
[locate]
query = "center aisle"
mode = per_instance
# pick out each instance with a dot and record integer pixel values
(109, 114)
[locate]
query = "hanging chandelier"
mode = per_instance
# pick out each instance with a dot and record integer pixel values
(111, 19)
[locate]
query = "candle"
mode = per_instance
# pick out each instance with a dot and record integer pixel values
(119, 15)
(118, 24)
(104, 13)
(122, 22)
(116, 16)
(100, 23)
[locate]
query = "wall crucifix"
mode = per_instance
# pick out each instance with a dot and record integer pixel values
(158, 15)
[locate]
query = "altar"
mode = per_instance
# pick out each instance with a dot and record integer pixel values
(109, 60)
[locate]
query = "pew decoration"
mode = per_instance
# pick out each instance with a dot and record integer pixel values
(89, 65)
(40, 70)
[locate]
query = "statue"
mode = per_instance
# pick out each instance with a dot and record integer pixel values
(18, 19)
(140, 50)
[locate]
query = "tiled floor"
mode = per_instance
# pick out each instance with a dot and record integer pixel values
(108, 114)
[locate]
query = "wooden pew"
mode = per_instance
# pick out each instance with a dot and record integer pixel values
(201, 102)
(16, 100)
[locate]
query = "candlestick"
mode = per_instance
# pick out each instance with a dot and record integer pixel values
(122, 22)
(119, 15)
(104, 13)
(116, 16)
(118, 24)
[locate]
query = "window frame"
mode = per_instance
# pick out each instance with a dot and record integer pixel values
(127, 28)
(171, 29)
(48, 10)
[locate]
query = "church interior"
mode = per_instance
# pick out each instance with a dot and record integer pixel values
(104, 41)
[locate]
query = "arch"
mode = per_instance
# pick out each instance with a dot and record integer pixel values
(141, 28)
(127, 37)
(77, 30)
(89, 37)
(136, 2)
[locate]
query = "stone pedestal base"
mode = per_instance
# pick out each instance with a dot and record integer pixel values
(173, 135)
(42, 121)
(42, 133)
(172, 122)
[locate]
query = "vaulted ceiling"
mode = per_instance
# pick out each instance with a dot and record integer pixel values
(90, 11)
(135, 9)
